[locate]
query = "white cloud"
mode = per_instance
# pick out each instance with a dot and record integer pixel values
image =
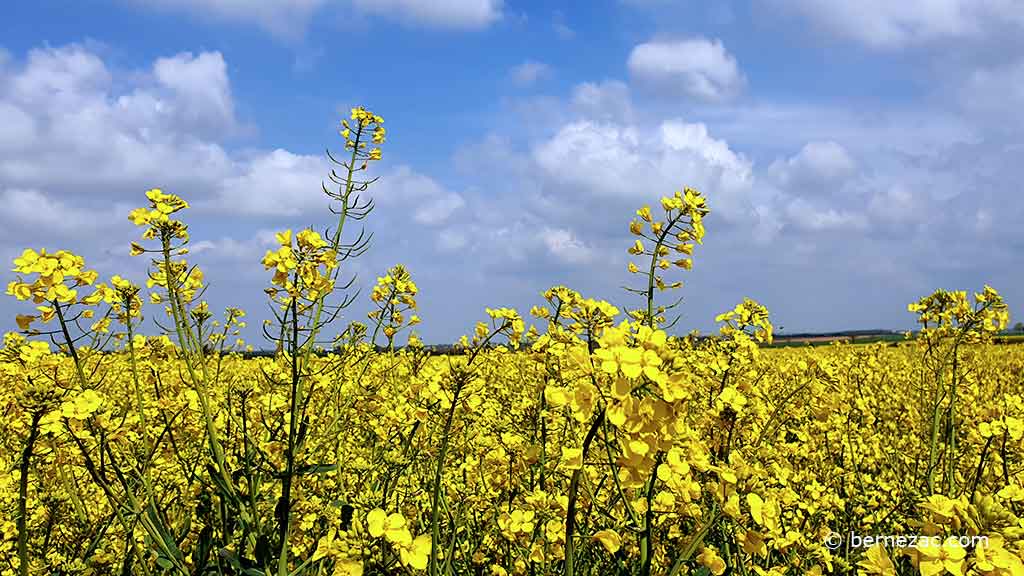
(529, 72)
(58, 76)
(112, 138)
(564, 245)
(430, 202)
(882, 24)
(825, 159)
(158, 129)
(818, 167)
(32, 210)
(466, 14)
(200, 84)
(848, 184)
(492, 158)
(607, 160)
(278, 183)
(698, 67)
(768, 224)
(780, 128)
(605, 100)
(228, 248)
(438, 209)
(592, 156)
(19, 127)
(808, 217)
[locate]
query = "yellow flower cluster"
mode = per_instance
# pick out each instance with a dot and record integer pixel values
(595, 443)
(947, 310)
(506, 321)
(365, 121)
(755, 473)
(57, 279)
(682, 225)
(52, 271)
(302, 266)
(394, 296)
(158, 217)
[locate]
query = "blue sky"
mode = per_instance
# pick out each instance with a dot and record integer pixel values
(856, 154)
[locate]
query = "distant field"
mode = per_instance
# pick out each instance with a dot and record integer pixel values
(818, 340)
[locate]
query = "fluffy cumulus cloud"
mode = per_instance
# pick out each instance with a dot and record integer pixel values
(110, 140)
(542, 214)
(811, 181)
(882, 24)
(818, 188)
(199, 84)
(84, 143)
(850, 192)
(698, 67)
(162, 130)
(622, 161)
(274, 183)
(600, 151)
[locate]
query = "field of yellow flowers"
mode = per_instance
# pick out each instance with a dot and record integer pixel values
(588, 443)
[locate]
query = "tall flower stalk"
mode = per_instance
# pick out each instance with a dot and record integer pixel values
(682, 226)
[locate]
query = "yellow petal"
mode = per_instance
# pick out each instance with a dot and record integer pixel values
(609, 539)
(375, 522)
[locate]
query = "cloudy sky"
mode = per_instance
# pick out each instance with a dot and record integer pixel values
(856, 154)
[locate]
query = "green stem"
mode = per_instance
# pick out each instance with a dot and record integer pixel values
(981, 467)
(691, 547)
(192, 349)
(336, 238)
(286, 488)
(26, 456)
(435, 510)
(71, 345)
(570, 519)
(932, 445)
(951, 424)
(654, 261)
(646, 552)
(618, 484)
